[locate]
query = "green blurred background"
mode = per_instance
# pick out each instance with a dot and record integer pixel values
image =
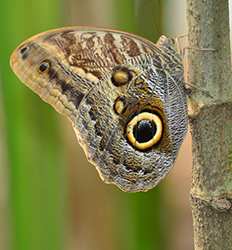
(51, 198)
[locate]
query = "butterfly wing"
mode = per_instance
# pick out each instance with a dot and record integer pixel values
(102, 80)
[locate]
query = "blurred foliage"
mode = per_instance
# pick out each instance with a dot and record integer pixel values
(142, 17)
(143, 222)
(35, 155)
(36, 169)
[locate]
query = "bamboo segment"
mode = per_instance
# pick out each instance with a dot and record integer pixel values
(210, 120)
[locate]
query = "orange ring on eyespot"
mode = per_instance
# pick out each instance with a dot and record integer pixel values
(144, 116)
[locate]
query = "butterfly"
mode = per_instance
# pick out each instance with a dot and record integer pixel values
(123, 94)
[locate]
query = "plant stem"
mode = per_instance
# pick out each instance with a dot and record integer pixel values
(211, 123)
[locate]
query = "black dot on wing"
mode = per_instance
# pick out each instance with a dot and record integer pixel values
(24, 52)
(44, 66)
(144, 130)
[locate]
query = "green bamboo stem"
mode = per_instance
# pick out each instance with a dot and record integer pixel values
(210, 120)
(36, 170)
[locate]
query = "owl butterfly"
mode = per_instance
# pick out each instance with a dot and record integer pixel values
(123, 94)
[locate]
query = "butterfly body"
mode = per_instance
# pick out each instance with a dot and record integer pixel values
(123, 94)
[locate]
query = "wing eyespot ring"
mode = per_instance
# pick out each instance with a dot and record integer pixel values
(144, 130)
(121, 75)
(44, 66)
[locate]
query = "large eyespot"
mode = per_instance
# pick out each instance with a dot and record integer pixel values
(121, 76)
(144, 130)
(44, 66)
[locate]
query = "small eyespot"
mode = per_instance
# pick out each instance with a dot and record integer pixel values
(44, 66)
(24, 52)
(144, 130)
(121, 76)
(120, 105)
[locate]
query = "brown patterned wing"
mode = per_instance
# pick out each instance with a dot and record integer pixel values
(120, 92)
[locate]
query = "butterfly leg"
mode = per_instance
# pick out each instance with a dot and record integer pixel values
(182, 48)
(189, 88)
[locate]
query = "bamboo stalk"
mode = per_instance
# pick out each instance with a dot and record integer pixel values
(211, 123)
